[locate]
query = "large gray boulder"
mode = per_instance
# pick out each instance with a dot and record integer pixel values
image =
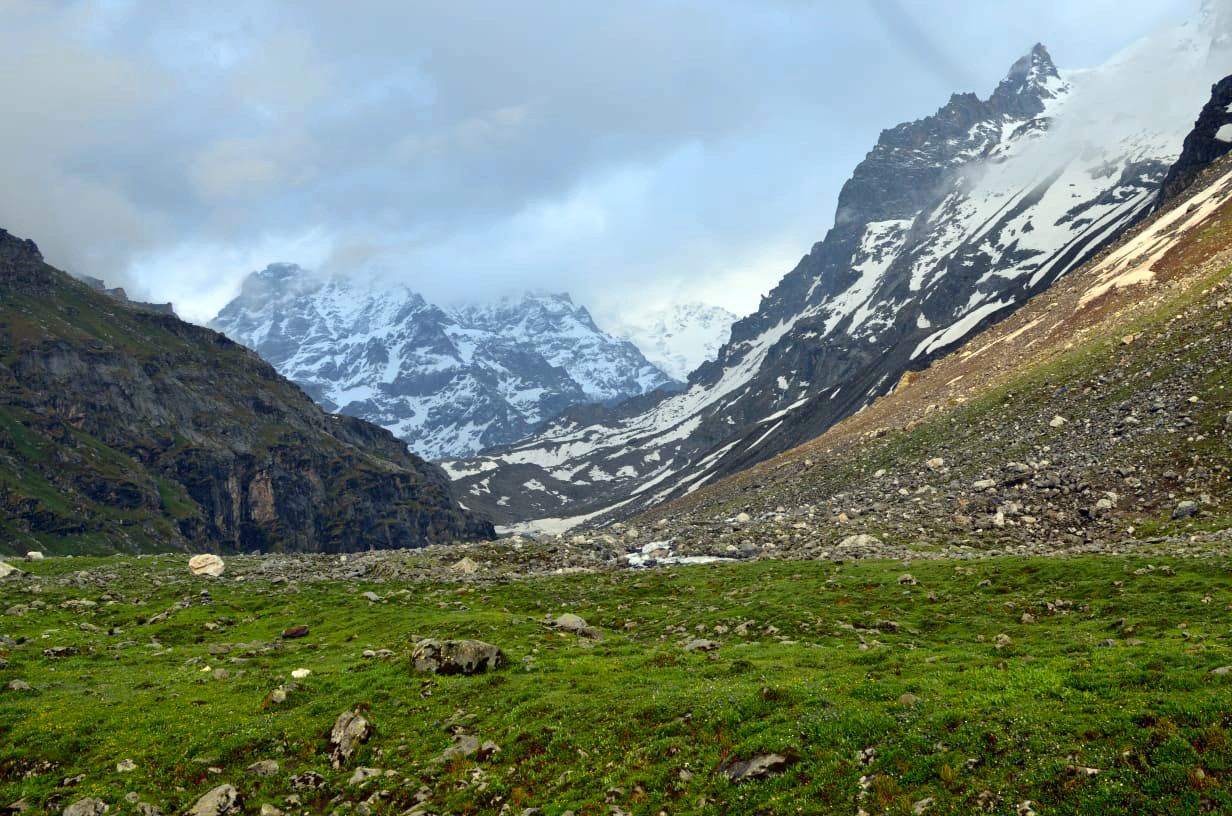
(219, 801)
(349, 732)
(456, 656)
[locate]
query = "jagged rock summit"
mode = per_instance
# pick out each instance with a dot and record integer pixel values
(128, 430)
(450, 382)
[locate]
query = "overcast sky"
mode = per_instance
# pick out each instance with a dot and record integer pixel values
(631, 153)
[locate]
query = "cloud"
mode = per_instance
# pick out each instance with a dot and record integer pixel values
(664, 149)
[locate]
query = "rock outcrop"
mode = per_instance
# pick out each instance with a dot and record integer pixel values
(126, 429)
(1210, 139)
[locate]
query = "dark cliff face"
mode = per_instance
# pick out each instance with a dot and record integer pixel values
(1203, 145)
(126, 429)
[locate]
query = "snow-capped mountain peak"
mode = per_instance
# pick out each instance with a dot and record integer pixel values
(449, 381)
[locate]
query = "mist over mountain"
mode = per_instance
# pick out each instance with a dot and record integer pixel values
(681, 337)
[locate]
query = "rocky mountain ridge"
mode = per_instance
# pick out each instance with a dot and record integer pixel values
(449, 382)
(129, 430)
(950, 224)
(1112, 435)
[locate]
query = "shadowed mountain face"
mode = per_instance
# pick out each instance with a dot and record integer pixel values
(948, 225)
(1210, 139)
(448, 382)
(126, 429)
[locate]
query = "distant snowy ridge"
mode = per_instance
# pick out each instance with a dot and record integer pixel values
(679, 338)
(449, 382)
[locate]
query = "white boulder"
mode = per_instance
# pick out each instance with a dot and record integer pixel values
(206, 564)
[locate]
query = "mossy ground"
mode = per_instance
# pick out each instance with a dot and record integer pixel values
(633, 720)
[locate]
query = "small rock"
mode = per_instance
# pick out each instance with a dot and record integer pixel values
(1002, 641)
(936, 463)
(87, 807)
(206, 564)
(219, 801)
(371, 597)
(701, 645)
(759, 767)
(465, 565)
(349, 732)
(264, 767)
(1184, 510)
(1057, 422)
(907, 579)
(269, 810)
(464, 745)
(921, 806)
(293, 632)
(220, 674)
(860, 540)
(19, 685)
(456, 656)
(300, 674)
(308, 780)
(126, 766)
(743, 518)
(362, 775)
(908, 700)
(984, 484)
(569, 622)
(1222, 671)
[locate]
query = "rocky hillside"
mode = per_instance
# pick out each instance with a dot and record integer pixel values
(448, 382)
(949, 225)
(126, 429)
(1096, 418)
(681, 337)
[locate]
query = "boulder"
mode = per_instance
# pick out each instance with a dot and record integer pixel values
(206, 564)
(263, 767)
(87, 807)
(570, 622)
(758, 767)
(860, 540)
(701, 645)
(465, 565)
(220, 801)
(34, 555)
(8, 569)
(1184, 510)
(456, 656)
(349, 732)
